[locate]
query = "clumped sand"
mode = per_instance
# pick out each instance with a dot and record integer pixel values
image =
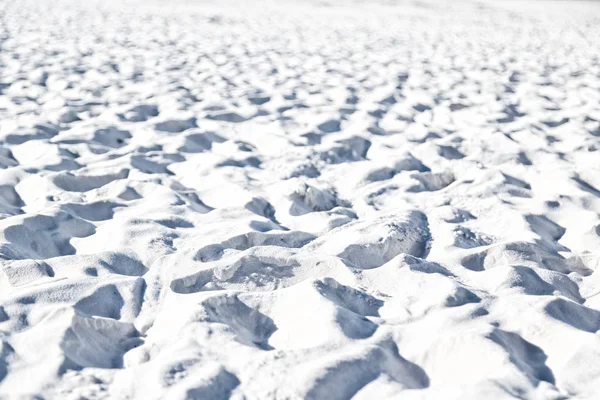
(299, 200)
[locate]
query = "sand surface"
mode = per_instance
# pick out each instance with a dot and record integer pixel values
(299, 200)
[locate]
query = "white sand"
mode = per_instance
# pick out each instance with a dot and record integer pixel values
(299, 200)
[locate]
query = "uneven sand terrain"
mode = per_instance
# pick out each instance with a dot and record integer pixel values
(299, 200)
